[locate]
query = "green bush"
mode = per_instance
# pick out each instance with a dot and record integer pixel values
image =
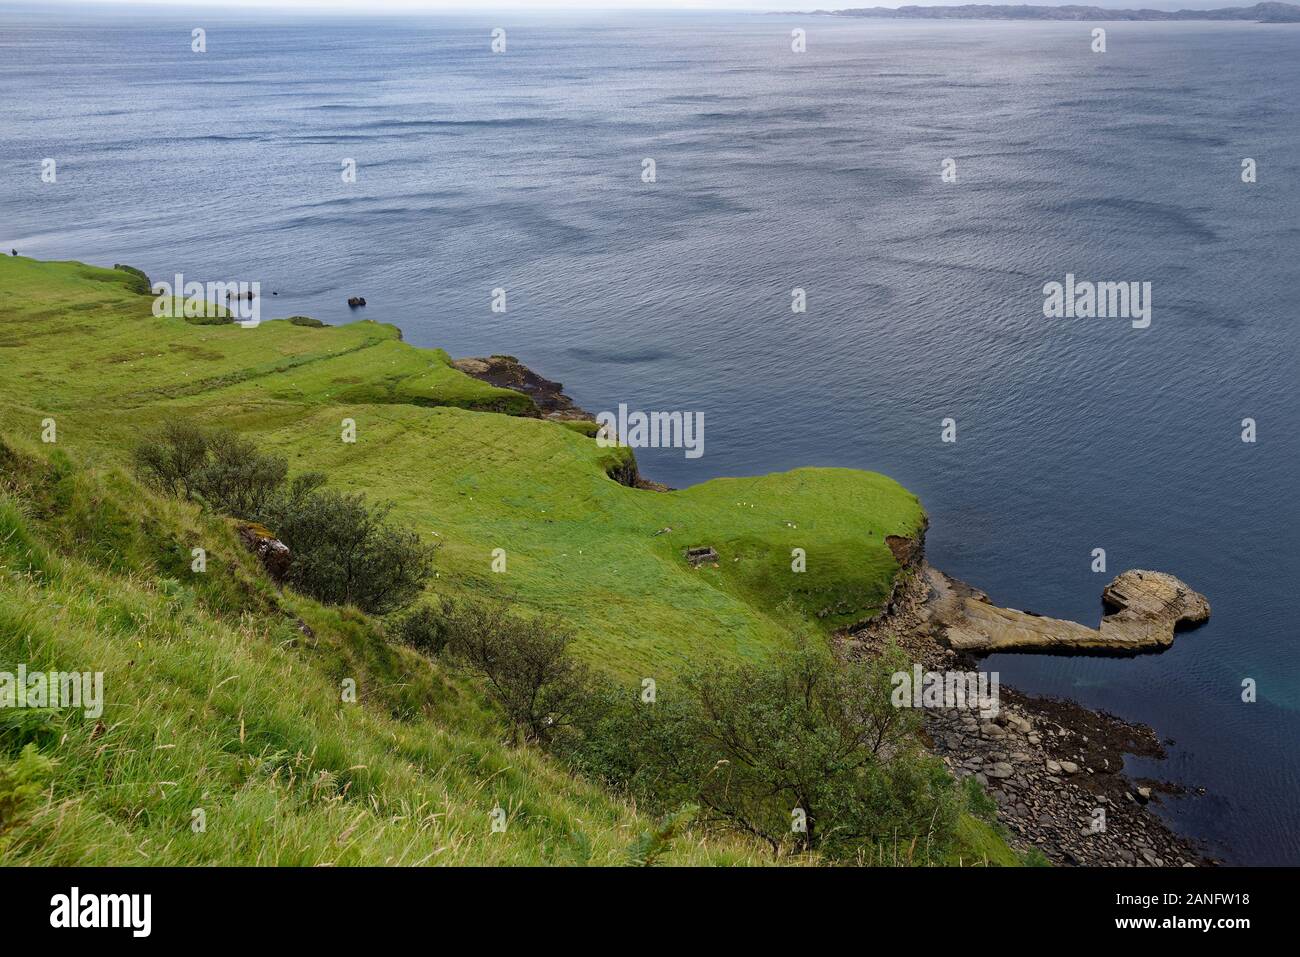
(523, 664)
(426, 627)
(345, 552)
(217, 466)
(804, 753)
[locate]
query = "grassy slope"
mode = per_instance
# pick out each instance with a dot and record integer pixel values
(217, 700)
(79, 345)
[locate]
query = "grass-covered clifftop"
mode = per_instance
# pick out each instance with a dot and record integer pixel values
(81, 345)
(225, 694)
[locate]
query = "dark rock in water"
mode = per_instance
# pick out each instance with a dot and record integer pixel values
(355, 301)
(247, 294)
(270, 551)
(702, 555)
(507, 372)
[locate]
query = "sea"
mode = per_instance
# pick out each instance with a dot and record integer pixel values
(823, 170)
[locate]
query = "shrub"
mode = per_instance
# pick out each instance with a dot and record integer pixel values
(804, 753)
(236, 477)
(344, 550)
(171, 458)
(523, 663)
(426, 627)
(221, 468)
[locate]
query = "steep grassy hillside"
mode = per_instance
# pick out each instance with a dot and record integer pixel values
(81, 346)
(225, 695)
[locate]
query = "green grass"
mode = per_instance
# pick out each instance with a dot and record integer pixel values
(77, 344)
(224, 693)
(216, 699)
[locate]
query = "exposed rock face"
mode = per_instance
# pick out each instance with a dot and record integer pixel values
(907, 551)
(270, 551)
(1049, 764)
(550, 402)
(507, 372)
(355, 301)
(1147, 608)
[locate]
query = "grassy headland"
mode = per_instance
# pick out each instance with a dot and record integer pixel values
(80, 345)
(224, 691)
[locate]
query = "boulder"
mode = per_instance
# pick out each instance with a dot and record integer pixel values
(356, 301)
(270, 551)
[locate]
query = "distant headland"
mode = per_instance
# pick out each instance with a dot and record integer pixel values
(1271, 12)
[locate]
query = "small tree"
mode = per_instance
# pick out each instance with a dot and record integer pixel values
(524, 665)
(345, 551)
(223, 469)
(426, 627)
(802, 752)
(171, 458)
(236, 477)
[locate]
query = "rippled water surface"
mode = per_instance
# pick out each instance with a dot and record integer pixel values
(775, 171)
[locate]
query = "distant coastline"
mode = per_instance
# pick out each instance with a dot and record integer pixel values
(1271, 12)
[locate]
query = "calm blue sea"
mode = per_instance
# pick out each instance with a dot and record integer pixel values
(775, 171)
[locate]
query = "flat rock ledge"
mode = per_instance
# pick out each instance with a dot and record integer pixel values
(1144, 608)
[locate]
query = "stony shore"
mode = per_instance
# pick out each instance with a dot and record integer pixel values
(1055, 768)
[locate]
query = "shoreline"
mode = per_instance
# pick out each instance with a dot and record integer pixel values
(1054, 767)
(1051, 764)
(1038, 808)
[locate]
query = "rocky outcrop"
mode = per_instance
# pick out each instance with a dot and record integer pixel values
(270, 551)
(507, 372)
(356, 301)
(907, 551)
(550, 402)
(1147, 609)
(1050, 765)
(1056, 772)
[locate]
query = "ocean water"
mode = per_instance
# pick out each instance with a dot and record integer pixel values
(777, 170)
